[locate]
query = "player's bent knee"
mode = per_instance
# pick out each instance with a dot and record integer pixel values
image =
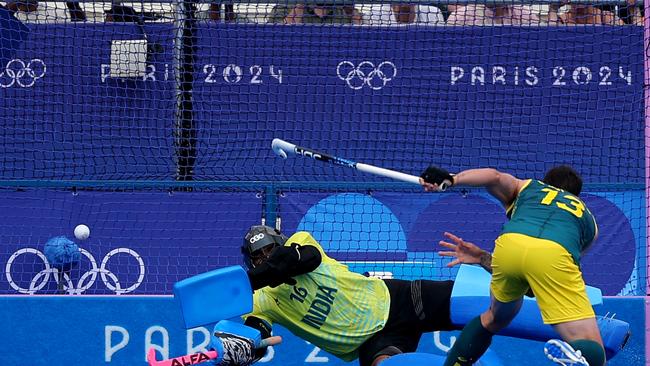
(384, 354)
(583, 329)
(379, 360)
(493, 324)
(592, 351)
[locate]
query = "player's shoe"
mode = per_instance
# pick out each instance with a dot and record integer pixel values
(562, 353)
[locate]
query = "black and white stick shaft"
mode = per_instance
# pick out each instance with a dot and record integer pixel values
(284, 149)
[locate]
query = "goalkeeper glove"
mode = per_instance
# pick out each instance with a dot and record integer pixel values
(235, 343)
(435, 175)
(232, 350)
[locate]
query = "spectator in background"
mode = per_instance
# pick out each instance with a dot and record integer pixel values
(632, 14)
(76, 13)
(314, 14)
(26, 6)
(476, 14)
(403, 13)
(392, 14)
(515, 15)
(214, 13)
(123, 13)
(581, 15)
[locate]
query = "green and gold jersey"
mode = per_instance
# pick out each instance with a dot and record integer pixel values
(331, 307)
(545, 212)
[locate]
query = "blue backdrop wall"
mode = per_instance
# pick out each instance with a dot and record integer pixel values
(519, 99)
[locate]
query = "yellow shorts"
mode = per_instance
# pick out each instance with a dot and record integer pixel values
(520, 261)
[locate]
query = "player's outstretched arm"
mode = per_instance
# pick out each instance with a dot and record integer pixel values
(465, 252)
(502, 186)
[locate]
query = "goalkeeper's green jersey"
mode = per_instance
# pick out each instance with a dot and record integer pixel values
(331, 307)
(545, 212)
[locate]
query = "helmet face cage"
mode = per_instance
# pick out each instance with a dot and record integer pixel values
(258, 243)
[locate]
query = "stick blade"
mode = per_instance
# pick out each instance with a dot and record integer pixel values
(279, 147)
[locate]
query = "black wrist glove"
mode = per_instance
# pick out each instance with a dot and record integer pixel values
(435, 175)
(283, 264)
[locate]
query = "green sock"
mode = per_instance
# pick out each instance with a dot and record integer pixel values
(474, 340)
(591, 350)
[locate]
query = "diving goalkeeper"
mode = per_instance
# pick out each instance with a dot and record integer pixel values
(342, 312)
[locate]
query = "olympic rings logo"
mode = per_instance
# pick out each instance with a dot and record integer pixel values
(256, 238)
(85, 281)
(21, 74)
(366, 74)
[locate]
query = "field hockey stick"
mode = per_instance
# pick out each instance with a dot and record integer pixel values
(191, 359)
(284, 149)
(199, 357)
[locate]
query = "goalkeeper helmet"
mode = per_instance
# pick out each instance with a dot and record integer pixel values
(259, 241)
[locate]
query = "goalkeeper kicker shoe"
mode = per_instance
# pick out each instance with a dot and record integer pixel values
(562, 353)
